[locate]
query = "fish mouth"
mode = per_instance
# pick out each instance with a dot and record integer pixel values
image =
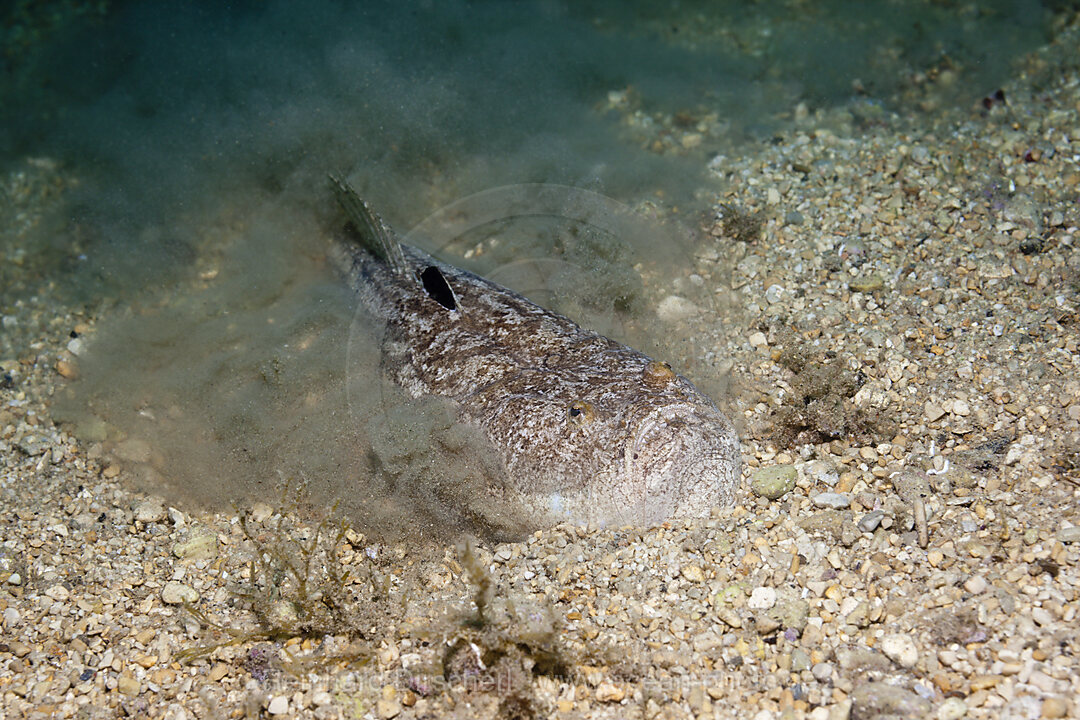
(679, 463)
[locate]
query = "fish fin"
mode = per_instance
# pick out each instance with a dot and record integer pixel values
(373, 233)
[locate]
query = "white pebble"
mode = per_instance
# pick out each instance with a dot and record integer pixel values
(1013, 456)
(975, 584)
(279, 705)
(11, 617)
(838, 501)
(1069, 534)
(762, 598)
(1042, 617)
(758, 340)
(900, 649)
(952, 709)
(260, 511)
(177, 517)
(933, 411)
(175, 593)
(150, 510)
(1044, 682)
(58, 593)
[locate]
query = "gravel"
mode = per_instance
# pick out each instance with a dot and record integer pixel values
(936, 264)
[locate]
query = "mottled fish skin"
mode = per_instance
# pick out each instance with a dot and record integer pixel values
(590, 431)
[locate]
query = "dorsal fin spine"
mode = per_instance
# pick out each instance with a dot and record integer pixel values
(374, 234)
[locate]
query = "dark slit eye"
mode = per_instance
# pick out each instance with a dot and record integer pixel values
(437, 288)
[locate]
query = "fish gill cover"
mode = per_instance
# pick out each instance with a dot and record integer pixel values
(192, 142)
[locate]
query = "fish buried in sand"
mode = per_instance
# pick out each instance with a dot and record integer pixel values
(589, 431)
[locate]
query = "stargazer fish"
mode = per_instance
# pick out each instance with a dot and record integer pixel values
(589, 431)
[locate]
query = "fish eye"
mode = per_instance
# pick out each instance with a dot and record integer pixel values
(658, 374)
(581, 412)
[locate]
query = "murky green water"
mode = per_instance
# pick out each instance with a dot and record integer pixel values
(168, 113)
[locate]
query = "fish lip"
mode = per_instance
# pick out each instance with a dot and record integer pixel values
(679, 478)
(685, 412)
(655, 505)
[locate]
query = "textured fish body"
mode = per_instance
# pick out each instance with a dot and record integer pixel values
(589, 431)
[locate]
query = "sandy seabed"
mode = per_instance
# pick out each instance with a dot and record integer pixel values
(903, 333)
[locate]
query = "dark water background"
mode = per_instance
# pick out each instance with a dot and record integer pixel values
(166, 110)
(190, 144)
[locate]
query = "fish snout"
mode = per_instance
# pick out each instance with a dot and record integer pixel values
(685, 460)
(678, 462)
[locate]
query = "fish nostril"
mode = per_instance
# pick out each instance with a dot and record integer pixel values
(658, 374)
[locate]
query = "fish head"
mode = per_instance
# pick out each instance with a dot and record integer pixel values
(661, 453)
(630, 444)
